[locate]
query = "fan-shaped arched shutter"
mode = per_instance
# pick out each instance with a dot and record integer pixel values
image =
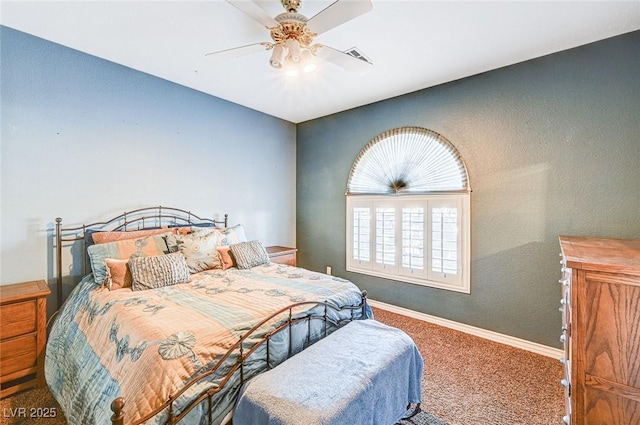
(407, 160)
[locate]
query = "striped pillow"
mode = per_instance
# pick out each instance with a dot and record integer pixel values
(158, 271)
(249, 254)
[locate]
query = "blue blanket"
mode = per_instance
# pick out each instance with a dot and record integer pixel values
(364, 373)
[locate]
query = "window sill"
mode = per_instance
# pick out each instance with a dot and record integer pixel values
(465, 288)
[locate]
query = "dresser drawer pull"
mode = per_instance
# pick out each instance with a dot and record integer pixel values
(566, 419)
(564, 281)
(564, 383)
(563, 338)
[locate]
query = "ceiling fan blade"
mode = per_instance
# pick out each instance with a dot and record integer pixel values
(236, 52)
(337, 14)
(343, 60)
(254, 11)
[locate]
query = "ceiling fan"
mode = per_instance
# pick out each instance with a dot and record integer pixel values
(292, 48)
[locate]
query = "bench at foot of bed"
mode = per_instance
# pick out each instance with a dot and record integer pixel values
(364, 373)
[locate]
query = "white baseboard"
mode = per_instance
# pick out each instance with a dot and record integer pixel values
(523, 344)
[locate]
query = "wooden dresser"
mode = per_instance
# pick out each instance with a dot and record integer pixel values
(601, 330)
(282, 255)
(23, 333)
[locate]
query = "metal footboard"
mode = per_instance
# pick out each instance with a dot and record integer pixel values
(243, 353)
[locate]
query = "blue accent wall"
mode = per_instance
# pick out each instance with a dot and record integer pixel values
(552, 147)
(86, 139)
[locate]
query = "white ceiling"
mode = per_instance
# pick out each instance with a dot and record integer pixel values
(413, 44)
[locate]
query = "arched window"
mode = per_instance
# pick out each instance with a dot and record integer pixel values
(408, 215)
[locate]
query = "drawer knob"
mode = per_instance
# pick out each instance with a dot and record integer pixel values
(563, 360)
(566, 419)
(565, 281)
(564, 383)
(563, 338)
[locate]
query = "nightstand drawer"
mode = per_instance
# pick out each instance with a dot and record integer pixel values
(18, 354)
(17, 319)
(23, 333)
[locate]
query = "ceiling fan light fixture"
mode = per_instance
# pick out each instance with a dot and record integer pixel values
(292, 69)
(308, 61)
(294, 53)
(277, 57)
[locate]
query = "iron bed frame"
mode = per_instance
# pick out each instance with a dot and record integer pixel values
(158, 217)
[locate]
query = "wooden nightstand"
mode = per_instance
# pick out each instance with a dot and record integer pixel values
(23, 333)
(282, 255)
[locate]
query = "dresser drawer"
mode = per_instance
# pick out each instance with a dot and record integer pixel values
(17, 319)
(610, 339)
(18, 354)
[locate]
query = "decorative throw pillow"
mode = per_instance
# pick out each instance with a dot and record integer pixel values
(227, 257)
(249, 254)
(105, 237)
(173, 241)
(202, 231)
(231, 235)
(158, 271)
(200, 251)
(123, 250)
(118, 274)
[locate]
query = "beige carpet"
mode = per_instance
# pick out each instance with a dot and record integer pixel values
(467, 381)
(472, 381)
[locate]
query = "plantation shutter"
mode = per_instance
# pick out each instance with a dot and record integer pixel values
(445, 220)
(413, 240)
(362, 234)
(385, 234)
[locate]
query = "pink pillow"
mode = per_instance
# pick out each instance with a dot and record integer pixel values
(118, 274)
(105, 237)
(227, 257)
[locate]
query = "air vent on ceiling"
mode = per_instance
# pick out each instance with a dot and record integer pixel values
(358, 54)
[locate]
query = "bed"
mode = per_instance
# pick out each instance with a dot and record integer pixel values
(178, 344)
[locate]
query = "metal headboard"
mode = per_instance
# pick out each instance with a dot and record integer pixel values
(142, 218)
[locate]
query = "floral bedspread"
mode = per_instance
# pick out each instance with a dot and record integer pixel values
(145, 345)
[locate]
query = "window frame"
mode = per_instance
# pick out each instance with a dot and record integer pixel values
(460, 282)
